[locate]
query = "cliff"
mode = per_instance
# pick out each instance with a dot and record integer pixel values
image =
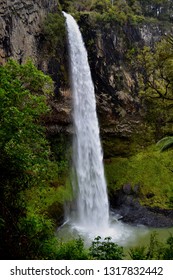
(109, 46)
(21, 25)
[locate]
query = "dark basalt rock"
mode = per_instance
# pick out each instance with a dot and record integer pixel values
(132, 212)
(127, 189)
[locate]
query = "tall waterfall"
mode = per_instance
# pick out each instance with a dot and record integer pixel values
(92, 200)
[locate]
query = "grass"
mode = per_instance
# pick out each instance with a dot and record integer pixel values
(151, 170)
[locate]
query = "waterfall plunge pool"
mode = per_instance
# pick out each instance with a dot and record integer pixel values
(121, 233)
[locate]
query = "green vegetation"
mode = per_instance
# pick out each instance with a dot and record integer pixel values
(29, 184)
(165, 143)
(33, 183)
(151, 170)
(54, 41)
(157, 65)
(132, 11)
(155, 68)
(156, 250)
(54, 31)
(72, 250)
(108, 250)
(105, 250)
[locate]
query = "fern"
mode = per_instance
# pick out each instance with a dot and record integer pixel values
(165, 143)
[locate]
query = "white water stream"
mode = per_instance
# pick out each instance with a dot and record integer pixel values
(91, 215)
(92, 200)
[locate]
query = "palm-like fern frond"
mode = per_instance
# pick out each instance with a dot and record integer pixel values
(165, 143)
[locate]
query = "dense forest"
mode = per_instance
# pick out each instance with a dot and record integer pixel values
(35, 167)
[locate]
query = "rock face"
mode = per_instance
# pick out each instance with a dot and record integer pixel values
(60, 119)
(118, 106)
(22, 38)
(20, 28)
(109, 45)
(120, 113)
(131, 211)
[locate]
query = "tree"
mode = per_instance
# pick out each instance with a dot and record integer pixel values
(156, 68)
(23, 91)
(155, 76)
(24, 161)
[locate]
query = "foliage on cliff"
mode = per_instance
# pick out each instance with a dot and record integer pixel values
(150, 171)
(54, 31)
(156, 67)
(155, 76)
(123, 11)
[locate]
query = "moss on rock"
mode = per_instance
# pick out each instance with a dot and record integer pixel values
(149, 169)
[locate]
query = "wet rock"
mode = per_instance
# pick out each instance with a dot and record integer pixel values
(127, 189)
(132, 212)
(136, 189)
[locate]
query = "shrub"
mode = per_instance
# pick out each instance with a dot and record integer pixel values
(54, 31)
(138, 253)
(105, 250)
(72, 250)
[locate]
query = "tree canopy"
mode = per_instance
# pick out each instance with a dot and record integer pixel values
(27, 172)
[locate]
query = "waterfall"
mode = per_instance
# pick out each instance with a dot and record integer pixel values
(92, 199)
